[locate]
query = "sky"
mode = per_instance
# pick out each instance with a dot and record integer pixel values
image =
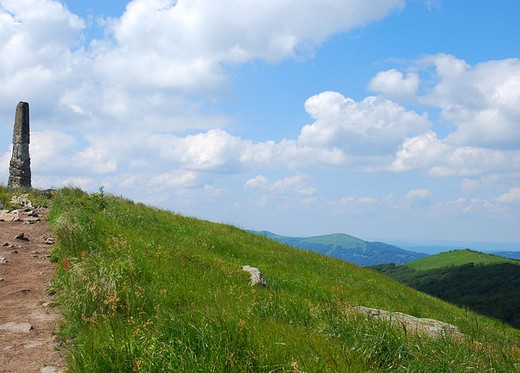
(383, 119)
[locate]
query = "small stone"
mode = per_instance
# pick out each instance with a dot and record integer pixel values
(255, 276)
(21, 237)
(49, 241)
(49, 369)
(6, 243)
(34, 344)
(14, 252)
(8, 347)
(10, 216)
(2, 279)
(22, 327)
(3, 260)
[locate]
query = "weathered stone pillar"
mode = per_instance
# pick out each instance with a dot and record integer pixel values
(20, 165)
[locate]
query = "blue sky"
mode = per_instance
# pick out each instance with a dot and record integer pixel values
(384, 119)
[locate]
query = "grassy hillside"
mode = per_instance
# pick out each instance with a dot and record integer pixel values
(457, 257)
(349, 248)
(148, 290)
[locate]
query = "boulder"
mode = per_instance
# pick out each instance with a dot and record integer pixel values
(429, 327)
(255, 276)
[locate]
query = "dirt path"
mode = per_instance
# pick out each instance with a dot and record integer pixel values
(27, 318)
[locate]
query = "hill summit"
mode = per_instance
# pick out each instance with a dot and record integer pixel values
(349, 248)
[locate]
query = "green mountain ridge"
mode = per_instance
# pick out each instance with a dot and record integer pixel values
(349, 248)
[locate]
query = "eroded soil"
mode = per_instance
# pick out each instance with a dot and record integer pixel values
(28, 318)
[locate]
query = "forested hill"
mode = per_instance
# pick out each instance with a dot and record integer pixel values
(349, 248)
(484, 283)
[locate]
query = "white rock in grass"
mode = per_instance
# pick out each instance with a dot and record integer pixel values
(255, 276)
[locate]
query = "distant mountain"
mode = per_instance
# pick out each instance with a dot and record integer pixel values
(439, 246)
(485, 283)
(457, 258)
(349, 248)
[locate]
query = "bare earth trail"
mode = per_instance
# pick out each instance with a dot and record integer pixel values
(27, 318)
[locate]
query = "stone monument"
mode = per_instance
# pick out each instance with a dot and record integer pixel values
(20, 165)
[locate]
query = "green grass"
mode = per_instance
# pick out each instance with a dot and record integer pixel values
(148, 290)
(456, 258)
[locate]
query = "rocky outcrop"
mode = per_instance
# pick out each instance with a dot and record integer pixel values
(20, 165)
(22, 201)
(429, 327)
(255, 276)
(6, 215)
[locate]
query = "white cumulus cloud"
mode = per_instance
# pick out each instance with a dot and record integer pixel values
(483, 101)
(372, 126)
(182, 44)
(513, 196)
(393, 84)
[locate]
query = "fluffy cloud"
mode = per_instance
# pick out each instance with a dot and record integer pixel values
(358, 200)
(440, 158)
(182, 44)
(483, 101)
(293, 184)
(393, 84)
(417, 194)
(372, 126)
(513, 196)
(152, 55)
(36, 42)
(50, 150)
(215, 151)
